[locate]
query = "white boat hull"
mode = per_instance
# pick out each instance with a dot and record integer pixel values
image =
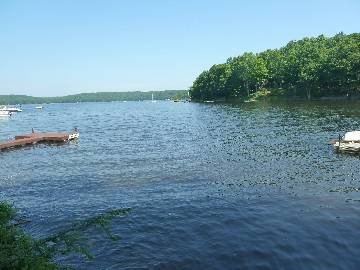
(5, 113)
(10, 109)
(350, 142)
(347, 146)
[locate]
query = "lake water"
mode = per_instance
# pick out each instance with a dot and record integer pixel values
(212, 186)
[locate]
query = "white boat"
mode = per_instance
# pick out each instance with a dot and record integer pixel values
(350, 142)
(39, 107)
(11, 109)
(5, 113)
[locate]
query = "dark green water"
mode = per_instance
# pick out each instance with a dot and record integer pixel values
(212, 186)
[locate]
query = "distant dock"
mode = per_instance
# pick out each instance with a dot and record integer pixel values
(39, 137)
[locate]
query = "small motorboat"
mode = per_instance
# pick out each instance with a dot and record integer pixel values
(350, 142)
(10, 109)
(5, 113)
(39, 107)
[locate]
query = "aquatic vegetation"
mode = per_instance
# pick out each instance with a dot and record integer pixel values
(20, 251)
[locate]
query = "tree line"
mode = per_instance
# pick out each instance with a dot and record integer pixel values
(92, 97)
(311, 67)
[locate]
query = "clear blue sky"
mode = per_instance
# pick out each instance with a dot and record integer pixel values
(50, 48)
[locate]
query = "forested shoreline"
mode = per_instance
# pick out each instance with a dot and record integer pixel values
(93, 97)
(308, 68)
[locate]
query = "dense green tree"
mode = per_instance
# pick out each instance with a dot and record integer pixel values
(318, 66)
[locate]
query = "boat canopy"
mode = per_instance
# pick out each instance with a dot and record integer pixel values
(352, 136)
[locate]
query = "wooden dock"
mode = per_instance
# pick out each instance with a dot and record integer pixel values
(38, 137)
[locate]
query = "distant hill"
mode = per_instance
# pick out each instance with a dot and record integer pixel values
(93, 97)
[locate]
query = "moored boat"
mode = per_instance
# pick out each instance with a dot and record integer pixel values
(5, 113)
(10, 109)
(350, 142)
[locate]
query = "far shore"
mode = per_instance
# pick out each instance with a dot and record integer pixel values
(95, 97)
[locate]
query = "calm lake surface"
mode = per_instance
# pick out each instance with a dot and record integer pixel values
(212, 186)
